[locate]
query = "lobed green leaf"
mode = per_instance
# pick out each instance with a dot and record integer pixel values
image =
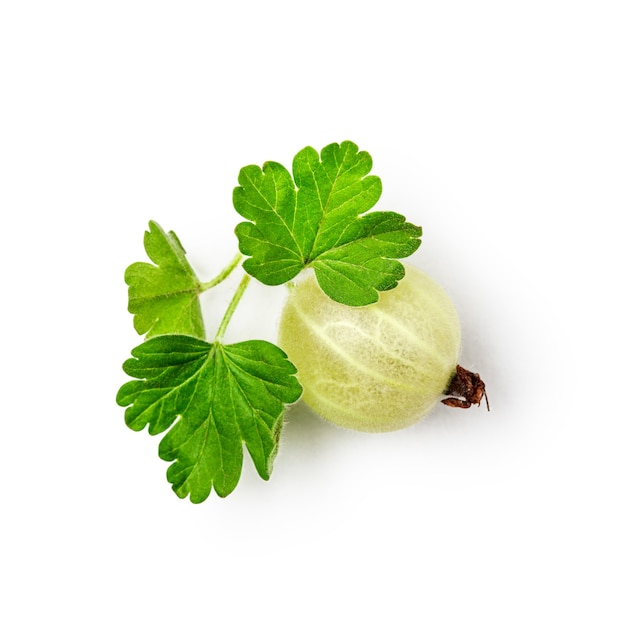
(213, 398)
(164, 297)
(316, 219)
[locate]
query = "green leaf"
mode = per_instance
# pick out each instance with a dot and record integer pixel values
(213, 398)
(164, 296)
(353, 271)
(315, 219)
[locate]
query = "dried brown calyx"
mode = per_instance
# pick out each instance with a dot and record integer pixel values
(467, 389)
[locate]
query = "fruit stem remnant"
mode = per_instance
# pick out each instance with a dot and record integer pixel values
(467, 387)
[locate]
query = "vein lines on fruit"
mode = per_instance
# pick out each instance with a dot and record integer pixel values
(319, 332)
(423, 345)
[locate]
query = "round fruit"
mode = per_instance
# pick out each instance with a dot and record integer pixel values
(375, 368)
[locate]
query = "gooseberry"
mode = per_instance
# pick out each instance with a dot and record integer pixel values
(375, 368)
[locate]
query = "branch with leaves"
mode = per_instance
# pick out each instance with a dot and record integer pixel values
(213, 399)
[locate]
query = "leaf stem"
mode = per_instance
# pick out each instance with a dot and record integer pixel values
(223, 274)
(231, 307)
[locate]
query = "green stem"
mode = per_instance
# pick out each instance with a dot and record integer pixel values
(231, 307)
(223, 274)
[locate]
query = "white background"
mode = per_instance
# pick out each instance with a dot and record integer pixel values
(499, 127)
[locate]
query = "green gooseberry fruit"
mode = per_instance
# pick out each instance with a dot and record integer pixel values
(374, 368)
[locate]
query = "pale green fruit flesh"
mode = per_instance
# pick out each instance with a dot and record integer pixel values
(376, 368)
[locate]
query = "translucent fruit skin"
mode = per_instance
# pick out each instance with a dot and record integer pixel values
(376, 368)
